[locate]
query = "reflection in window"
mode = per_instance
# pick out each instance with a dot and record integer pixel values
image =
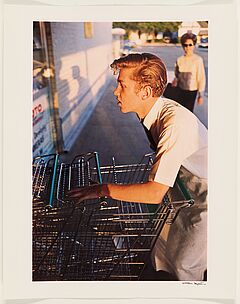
(39, 60)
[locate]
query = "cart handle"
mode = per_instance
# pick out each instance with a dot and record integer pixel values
(102, 200)
(184, 190)
(92, 154)
(53, 179)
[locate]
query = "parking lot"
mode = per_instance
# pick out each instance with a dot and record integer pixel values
(169, 53)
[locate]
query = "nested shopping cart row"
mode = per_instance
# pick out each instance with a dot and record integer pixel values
(102, 239)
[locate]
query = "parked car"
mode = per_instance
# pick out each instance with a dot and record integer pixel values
(166, 39)
(126, 50)
(203, 42)
(128, 47)
(130, 43)
(174, 38)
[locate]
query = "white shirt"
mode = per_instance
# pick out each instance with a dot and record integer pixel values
(190, 73)
(181, 140)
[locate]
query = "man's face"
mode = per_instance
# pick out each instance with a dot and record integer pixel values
(126, 93)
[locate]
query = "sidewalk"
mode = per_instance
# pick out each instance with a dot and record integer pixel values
(112, 133)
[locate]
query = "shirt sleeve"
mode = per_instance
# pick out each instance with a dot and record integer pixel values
(201, 78)
(175, 143)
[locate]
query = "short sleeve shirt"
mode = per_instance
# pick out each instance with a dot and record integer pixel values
(181, 140)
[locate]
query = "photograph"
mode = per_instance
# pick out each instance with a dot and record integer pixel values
(119, 151)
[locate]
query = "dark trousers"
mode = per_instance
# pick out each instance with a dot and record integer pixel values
(187, 98)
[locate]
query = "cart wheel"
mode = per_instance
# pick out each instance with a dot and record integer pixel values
(48, 208)
(103, 204)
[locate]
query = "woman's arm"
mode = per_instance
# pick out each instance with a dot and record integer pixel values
(201, 78)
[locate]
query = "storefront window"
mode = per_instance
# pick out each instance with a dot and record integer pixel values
(42, 132)
(39, 60)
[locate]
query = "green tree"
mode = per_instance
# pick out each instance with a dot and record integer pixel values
(148, 27)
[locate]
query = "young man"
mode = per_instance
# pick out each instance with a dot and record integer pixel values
(180, 142)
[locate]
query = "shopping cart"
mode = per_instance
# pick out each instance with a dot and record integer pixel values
(95, 239)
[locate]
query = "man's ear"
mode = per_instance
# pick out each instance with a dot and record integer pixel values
(146, 92)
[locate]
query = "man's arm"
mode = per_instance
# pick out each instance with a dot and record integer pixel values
(149, 193)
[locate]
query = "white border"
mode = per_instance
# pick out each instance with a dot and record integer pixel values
(17, 154)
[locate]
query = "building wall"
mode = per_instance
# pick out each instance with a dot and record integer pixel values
(81, 71)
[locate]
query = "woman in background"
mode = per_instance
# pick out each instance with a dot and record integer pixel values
(189, 74)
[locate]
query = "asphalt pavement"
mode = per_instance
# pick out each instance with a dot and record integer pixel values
(112, 133)
(169, 53)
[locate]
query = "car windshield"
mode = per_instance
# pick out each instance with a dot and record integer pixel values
(203, 40)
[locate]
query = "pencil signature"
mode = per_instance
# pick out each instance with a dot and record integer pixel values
(194, 283)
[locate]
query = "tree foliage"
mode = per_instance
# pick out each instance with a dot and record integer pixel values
(148, 27)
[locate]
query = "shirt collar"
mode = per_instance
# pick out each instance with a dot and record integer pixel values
(153, 113)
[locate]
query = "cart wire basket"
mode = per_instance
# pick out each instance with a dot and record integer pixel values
(101, 239)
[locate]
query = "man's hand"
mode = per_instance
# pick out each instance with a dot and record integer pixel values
(85, 193)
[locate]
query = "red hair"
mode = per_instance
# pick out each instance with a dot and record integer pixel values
(148, 70)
